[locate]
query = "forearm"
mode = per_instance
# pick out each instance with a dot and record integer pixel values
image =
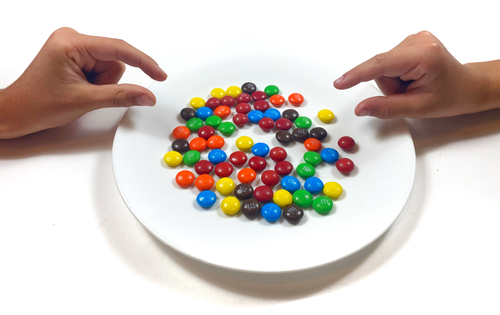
(487, 78)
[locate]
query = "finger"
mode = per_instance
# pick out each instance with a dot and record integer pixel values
(106, 49)
(394, 63)
(394, 106)
(117, 95)
(390, 86)
(108, 72)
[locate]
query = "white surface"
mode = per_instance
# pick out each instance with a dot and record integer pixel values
(374, 193)
(70, 245)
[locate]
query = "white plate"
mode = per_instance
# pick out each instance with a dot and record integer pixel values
(374, 193)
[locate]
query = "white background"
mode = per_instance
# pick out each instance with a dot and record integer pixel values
(70, 246)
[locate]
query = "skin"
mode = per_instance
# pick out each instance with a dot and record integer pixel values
(421, 79)
(70, 76)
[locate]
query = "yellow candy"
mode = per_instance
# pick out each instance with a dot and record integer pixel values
(197, 102)
(326, 115)
(225, 186)
(282, 198)
(332, 190)
(230, 205)
(233, 91)
(244, 143)
(218, 92)
(173, 158)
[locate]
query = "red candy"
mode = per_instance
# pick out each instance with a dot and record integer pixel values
(277, 154)
(238, 158)
(283, 168)
(243, 98)
(266, 124)
(261, 105)
(312, 144)
(223, 169)
(240, 120)
(243, 108)
(270, 178)
(203, 167)
(213, 103)
(283, 124)
(259, 95)
(228, 100)
(346, 143)
(257, 163)
(263, 193)
(345, 165)
(296, 99)
(206, 132)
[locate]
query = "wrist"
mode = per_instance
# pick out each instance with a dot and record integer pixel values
(485, 83)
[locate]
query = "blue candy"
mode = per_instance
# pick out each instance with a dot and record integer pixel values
(204, 112)
(313, 185)
(217, 156)
(329, 155)
(255, 115)
(260, 149)
(272, 113)
(271, 212)
(290, 183)
(206, 198)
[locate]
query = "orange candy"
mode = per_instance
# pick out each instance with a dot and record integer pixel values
(204, 182)
(181, 132)
(247, 175)
(277, 100)
(215, 142)
(222, 111)
(184, 179)
(312, 144)
(296, 99)
(198, 144)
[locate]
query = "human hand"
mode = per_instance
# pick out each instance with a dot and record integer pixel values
(420, 79)
(72, 75)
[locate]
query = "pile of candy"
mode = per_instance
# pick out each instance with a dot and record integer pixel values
(203, 118)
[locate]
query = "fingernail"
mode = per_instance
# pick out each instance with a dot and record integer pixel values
(365, 112)
(144, 100)
(339, 80)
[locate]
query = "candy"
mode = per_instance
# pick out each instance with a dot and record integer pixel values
(329, 155)
(313, 185)
(204, 112)
(284, 137)
(180, 145)
(271, 90)
(257, 163)
(204, 182)
(277, 154)
(282, 198)
(197, 102)
(322, 204)
(218, 92)
(345, 165)
(266, 124)
(246, 175)
(303, 198)
(223, 169)
(233, 91)
(181, 132)
(313, 158)
(240, 120)
(255, 115)
(300, 134)
(206, 198)
(228, 101)
(198, 144)
(213, 121)
(243, 98)
(290, 183)
(230, 205)
(217, 156)
(283, 168)
(238, 158)
(222, 111)
(263, 193)
(283, 124)
(192, 157)
(184, 178)
(272, 113)
(303, 122)
(215, 142)
(244, 143)
(251, 207)
(227, 128)
(206, 132)
(212, 103)
(188, 113)
(326, 115)
(260, 149)
(296, 99)
(172, 158)
(203, 167)
(332, 190)
(271, 212)
(243, 108)
(194, 124)
(248, 88)
(277, 100)
(225, 186)
(318, 133)
(291, 114)
(258, 96)
(305, 170)
(270, 178)
(261, 105)
(243, 191)
(312, 144)
(293, 213)
(346, 143)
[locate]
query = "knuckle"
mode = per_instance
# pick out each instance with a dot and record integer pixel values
(380, 59)
(119, 100)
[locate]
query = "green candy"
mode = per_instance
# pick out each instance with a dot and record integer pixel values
(313, 158)
(227, 128)
(305, 170)
(271, 90)
(302, 198)
(191, 157)
(194, 124)
(322, 204)
(213, 121)
(303, 122)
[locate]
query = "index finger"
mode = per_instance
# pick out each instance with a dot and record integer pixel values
(106, 49)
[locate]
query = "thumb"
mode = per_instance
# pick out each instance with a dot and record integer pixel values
(392, 106)
(117, 95)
